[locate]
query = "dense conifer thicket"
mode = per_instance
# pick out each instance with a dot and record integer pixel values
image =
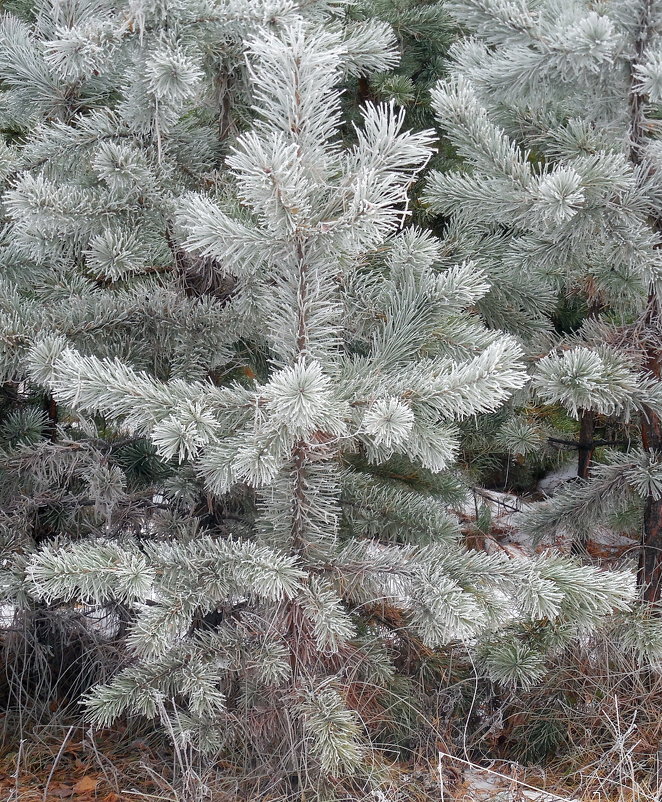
(285, 287)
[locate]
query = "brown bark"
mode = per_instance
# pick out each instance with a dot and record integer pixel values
(51, 410)
(650, 557)
(586, 443)
(364, 91)
(585, 449)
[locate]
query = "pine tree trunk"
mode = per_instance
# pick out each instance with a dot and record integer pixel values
(585, 449)
(585, 445)
(52, 414)
(650, 557)
(364, 91)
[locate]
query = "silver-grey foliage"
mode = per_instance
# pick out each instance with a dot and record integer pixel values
(554, 112)
(251, 632)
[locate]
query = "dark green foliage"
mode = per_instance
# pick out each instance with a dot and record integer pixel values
(141, 464)
(425, 32)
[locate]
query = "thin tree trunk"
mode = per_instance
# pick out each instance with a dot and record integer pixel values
(650, 556)
(586, 443)
(585, 449)
(51, 410)
(364, 91)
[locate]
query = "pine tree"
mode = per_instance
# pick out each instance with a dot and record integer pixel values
(424, 33)
(109, 113)
(555, 115)
(346, 348)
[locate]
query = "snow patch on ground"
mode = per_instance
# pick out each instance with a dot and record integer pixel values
(549, 484)
(603, 544)
(481, 785)
(505, 509)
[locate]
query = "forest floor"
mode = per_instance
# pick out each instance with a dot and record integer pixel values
(67, 763)
(81, 770)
